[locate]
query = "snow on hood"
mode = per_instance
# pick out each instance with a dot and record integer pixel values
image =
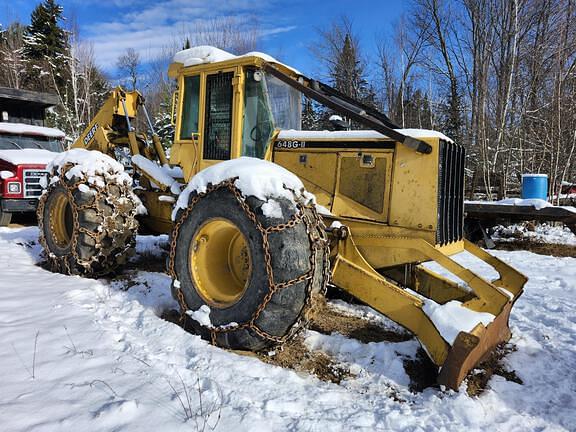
(358, 134)
(208, 54)
(28, 156)
(26, 129)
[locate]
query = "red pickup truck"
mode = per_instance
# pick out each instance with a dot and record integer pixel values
(25, 150)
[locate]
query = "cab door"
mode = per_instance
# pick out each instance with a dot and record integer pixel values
(186, 150)
(219, 129)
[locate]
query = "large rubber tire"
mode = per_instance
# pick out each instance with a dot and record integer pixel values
(85, 229)
(253, 323)
(5, 218)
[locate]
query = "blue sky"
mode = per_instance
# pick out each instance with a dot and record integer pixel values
(288, 27)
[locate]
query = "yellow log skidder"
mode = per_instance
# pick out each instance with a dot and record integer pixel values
(387, 201)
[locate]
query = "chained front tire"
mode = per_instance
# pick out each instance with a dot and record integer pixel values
(255, 264)
(87, 229)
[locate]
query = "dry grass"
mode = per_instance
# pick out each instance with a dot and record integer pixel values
(296, 356)
(557, 250)
(327, 320)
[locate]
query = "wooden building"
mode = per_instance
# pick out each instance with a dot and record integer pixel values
(24, 106)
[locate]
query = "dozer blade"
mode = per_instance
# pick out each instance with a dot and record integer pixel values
(470, 349)
(407, 303)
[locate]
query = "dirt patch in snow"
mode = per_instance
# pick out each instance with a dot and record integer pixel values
(557, 250)
(296, 356)
(151, 259)
(291, 355)
(478, 379)
(327, 320)
(422, 372)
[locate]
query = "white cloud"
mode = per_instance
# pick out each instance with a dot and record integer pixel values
(150, 28)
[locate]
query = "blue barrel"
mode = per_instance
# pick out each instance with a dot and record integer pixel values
(534, 186)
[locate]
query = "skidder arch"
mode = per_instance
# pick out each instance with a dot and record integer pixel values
(255, 263)
(87, 216)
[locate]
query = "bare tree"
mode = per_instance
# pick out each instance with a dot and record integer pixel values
(237, 35)
(397, 65)
(129, 65)
(12, 56)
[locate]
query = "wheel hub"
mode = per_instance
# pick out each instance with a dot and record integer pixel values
(220, 263)
(61, 221)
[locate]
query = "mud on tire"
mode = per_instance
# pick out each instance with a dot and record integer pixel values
(288, 258)
(86, 229)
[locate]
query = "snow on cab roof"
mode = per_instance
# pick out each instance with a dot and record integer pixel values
(358, 134)
(26, 129)
(208, 54)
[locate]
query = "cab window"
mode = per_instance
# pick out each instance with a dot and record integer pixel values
(190, 107)
(258, 122)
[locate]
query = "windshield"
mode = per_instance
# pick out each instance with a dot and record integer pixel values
(19, 142)
(258, 122)
(268, 103)
(285, 102)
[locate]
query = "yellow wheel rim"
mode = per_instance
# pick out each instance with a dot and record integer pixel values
(220, 263)
(61, 221)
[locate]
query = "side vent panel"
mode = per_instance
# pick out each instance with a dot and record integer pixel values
(450, 193)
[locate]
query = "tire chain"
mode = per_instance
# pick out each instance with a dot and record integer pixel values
(62, 264)
(318, 243)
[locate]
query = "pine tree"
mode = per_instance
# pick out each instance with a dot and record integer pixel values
(347, 72)
(44, 37)
(348, 76)
(310, 117)
(163, 122)
(452, 123)
(46, 45)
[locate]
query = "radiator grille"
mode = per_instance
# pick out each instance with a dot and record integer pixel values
(450, 193)
(32, 187)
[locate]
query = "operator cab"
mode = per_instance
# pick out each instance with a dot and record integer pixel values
(230, 112)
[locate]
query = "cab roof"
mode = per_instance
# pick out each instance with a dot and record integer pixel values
(204, 55)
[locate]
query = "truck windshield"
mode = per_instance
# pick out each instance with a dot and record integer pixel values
(18, 142)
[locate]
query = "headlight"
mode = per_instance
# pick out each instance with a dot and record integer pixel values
(14, 187)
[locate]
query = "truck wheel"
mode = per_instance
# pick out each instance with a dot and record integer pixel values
(86, 229)
(5, 218)
(256, 273)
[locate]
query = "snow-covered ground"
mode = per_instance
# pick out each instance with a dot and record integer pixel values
(93, 355)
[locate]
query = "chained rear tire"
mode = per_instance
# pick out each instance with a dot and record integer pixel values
(86, 229)
(257, 282)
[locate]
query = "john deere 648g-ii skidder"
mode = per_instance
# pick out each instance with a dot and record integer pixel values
(387, 200)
